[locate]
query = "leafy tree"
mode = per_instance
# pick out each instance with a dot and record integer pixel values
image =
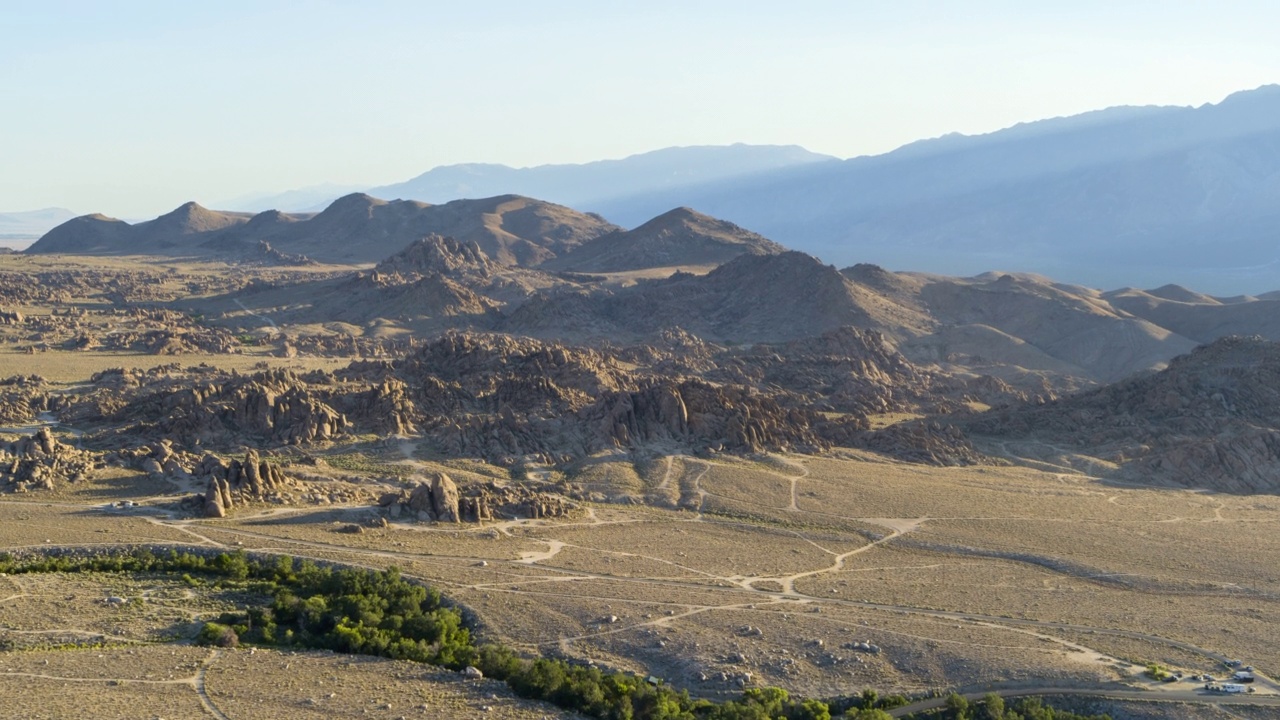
(869, 697)
(958, 707)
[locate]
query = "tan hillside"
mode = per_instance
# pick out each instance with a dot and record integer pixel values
(1070, 324)
(1211, 419)
(1199, 317)
(754, 298)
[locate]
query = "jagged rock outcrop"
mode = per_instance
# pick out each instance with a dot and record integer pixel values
(503, 398)
(22, 398)
(437, 254)
(443, 501)
(387, 408)
(11, 317)
(444, 498)
(292, 416)
(264, 254)
(848, 370)
(237, 482)
(420, 502)
(210, 408)
(40, 462)
(656, 412)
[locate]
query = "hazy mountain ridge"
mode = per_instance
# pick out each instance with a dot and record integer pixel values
(579, 185)
(19, 228)
(1082, 198)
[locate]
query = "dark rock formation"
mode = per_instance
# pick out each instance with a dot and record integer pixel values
(443, 501)
(436, 254)
(238, 482)
(444, 498)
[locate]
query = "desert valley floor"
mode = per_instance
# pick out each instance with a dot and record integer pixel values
(911, 566)
(824, 576)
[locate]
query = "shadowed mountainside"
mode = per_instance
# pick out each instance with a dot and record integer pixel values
(1211, 419)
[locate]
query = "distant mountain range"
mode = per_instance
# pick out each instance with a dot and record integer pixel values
(1124, 196)
(527, 267)
(1127, 196)
(578, 185)
(18, 229)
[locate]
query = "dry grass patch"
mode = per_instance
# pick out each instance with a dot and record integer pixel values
(747, 486)
(315, 685)
(78, 366)
(34, 525)
(59, 609)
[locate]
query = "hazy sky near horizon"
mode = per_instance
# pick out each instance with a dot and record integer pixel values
(131, 108)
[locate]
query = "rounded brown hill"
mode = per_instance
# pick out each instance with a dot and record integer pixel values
(179, 230)
(354, 229)
(752, 298)
(678, 238)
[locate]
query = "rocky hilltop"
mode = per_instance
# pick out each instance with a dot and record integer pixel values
(179, 232)
(681, 237)
(753, 298)
(1211, 419)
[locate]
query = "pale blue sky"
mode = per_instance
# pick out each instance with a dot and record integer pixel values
(131, 108)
